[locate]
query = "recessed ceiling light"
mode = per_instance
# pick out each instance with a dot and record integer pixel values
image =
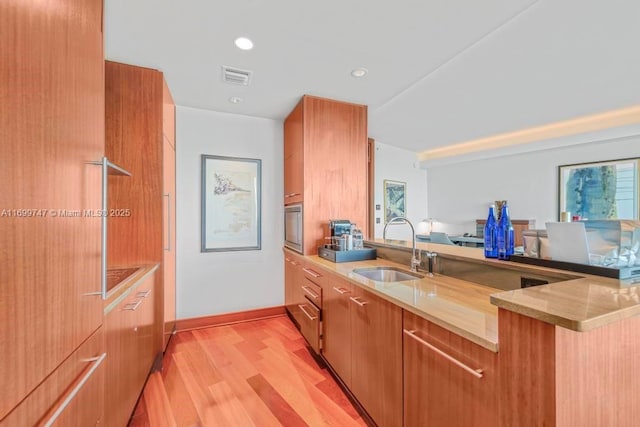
(235, 100)
(359, 72)
(244, 43)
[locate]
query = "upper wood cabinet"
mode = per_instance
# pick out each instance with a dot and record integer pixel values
(51, 127)
(294, 157)
(325, 165)
(140, 131)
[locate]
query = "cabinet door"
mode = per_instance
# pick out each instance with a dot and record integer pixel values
(294, 157)
(73, 395)
(123, 373)
(169, 231)
(146, 327)
(438, 392)
(336, 326)
(51, 127)
(376, 364)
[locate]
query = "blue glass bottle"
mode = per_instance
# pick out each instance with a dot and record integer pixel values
(504, 234)
(490, 244)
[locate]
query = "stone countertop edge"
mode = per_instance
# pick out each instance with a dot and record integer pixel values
(124, 288)
(582, 304)
(490, 343)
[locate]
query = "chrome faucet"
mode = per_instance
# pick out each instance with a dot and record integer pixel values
(415, 257)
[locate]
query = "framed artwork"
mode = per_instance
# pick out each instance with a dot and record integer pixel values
(599, 190)
(395, 199)
(231, 204)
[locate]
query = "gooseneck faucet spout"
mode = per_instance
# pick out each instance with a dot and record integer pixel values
(415, 257)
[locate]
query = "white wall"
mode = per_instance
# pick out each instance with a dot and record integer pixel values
(398, 164)
(221, 282)
(459, 194)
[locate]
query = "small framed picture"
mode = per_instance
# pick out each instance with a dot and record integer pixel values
(395, 199)
(231, 203)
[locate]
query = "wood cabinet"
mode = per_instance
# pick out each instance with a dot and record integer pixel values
(441, 384)
(362, 341)
(169, 213)
(140, 137)
(325, 147)
(51, 127)
(519, 225)
(130, 330)
(293, 279)
(294, 157)
(376, 356)
(71, 395)
(336, 325)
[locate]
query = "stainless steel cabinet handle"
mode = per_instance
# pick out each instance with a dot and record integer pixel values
(143, 294)
(106, 165)
(357, 301)
(96, 361)
(168, 196)
(341, 291)
(311, 272)
(475, 372)
(133, 306)
(287, 259)
(291, 195)
(301, 307)
(309, 292)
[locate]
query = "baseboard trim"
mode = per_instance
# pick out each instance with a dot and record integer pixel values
(228, 318)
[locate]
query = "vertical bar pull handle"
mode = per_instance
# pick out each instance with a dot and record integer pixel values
(103, 219)
(168, 196)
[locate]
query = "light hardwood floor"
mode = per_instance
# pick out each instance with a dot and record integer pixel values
(249, 374)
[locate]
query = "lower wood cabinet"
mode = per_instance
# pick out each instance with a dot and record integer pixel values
(376, 356)
(442, 384)
(336, 327)
(73, 395)
(362, 342)
(130, 327)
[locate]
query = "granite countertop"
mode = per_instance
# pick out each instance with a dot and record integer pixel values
(470, 310)
(456, 305)
(580, 304)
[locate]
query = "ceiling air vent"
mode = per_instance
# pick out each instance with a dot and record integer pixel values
(236, 76)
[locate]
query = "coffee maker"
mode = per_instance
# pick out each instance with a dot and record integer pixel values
(340, 230)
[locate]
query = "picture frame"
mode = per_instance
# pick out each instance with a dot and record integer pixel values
(231, 204)
(599, 190)
(395, 199)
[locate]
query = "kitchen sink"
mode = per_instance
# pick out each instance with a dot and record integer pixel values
(387, 274)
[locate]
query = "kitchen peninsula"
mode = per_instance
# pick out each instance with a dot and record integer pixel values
(545, 355)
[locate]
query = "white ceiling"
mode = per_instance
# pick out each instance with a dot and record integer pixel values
(440, 71)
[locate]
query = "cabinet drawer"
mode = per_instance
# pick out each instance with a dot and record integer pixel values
(72, 395)
(311, 291)
(309, 320)
(448, 380)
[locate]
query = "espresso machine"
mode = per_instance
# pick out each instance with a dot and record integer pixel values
(345, 243)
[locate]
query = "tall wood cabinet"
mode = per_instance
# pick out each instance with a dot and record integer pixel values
(51, 128)
(169, 212)
(141, 138)
(325, 165)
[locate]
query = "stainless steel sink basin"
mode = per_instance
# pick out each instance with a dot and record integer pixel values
(387, 274)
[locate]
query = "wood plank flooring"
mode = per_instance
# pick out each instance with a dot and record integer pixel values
(249, 374)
